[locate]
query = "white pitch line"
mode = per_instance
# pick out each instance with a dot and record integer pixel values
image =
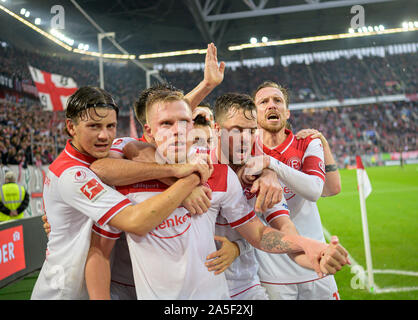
(403, 273)
(376, 288)
(388, 290)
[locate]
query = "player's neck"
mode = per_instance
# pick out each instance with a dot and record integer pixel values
(221, 157)
(147, 138)
(273, 139)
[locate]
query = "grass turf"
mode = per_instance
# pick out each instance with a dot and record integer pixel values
(392, 215)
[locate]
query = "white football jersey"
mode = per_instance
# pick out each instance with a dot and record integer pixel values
(242, 273)
(305, 155)
(74, 198)
(169, 262)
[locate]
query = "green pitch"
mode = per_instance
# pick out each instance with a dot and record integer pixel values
(392, 216)
(392, 210)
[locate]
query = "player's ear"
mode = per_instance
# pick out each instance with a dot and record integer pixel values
(148, 131)
(216, 129)
(287, 113)
(70, 125)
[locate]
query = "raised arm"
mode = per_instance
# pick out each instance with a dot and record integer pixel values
(213, 76)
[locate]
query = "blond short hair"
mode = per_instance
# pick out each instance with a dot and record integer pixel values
(163, 96)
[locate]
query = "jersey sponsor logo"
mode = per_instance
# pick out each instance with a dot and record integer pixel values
(172, 227)
(288, 193)
(92, 189)
(295, 163)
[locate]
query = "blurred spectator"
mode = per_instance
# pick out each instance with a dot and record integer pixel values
(14, 198)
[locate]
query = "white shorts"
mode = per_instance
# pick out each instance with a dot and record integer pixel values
(322, 289)
(119, 291)
(256, 292)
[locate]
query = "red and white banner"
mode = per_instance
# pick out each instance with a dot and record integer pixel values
(53, 89)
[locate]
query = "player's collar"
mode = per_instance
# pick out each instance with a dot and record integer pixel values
(71, 151)
(281, 148)
(142, 139)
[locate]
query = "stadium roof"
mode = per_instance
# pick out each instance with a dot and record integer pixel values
(149, 26)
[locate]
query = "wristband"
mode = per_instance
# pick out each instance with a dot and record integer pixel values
(331, 167)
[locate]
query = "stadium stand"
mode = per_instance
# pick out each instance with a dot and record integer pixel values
(33, 136)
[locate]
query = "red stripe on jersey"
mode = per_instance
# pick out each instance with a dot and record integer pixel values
(117, 150)
(277, 214)
(106, 233)
(218, 181)
(142, 139)
(68, 158)
(112, 211)
(234, 295)
(288, 283)
(242, 220)
(313, 165)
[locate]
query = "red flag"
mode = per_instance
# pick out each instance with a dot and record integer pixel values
(53, 89)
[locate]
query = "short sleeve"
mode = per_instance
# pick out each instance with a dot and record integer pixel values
(234, 205)
(81, 189)
(313, 159)
(278, 210)
(107, 231)
(120, 143)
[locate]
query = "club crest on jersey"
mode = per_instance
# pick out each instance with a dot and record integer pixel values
(80, 176)
(92, 190)
(295, 163)
(117, 142)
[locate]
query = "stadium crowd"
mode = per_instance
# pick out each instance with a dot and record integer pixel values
(32, 136)
(29, 135)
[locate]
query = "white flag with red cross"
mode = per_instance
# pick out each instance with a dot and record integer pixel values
(53, 89)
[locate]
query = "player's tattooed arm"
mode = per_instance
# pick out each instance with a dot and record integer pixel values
(273, 241)
(268, 239)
